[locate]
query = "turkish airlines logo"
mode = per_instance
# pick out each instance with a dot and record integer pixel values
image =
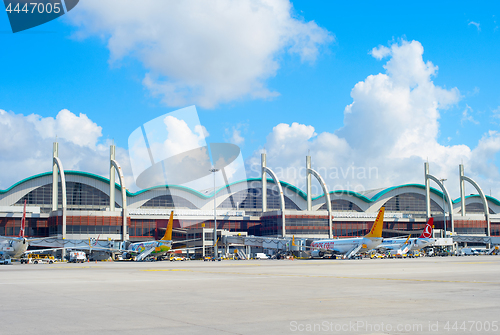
(28, 14)
(427, 231)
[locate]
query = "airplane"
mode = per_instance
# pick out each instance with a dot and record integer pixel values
(156, 248)
(351, 246)
(398, 244)
(15, 247)
(396, 248)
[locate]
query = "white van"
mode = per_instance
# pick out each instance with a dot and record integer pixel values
(469, 252)
(261, 255)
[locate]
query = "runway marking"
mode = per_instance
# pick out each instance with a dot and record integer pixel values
(73, 267)
(328, 276)
(476, 262)
(159, 270)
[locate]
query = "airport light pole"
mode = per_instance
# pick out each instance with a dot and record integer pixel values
(215, 217)
(444, 211)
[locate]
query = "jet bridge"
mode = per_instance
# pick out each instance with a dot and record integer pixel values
(278, 243)
(488, 240)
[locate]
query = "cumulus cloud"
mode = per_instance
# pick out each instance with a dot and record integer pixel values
(26, 146)
(202, 52)
(390, 129)
(77, 129)
(380, 52)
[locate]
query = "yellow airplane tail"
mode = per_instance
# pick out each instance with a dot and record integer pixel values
(376, 230)
(168, 232)
(293, 240)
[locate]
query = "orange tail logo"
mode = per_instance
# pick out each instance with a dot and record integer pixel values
(23, 221)
(376, 230)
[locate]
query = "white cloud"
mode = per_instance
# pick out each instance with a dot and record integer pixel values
(181, 138)
(390, 129)
(466, 115)
(237, 138)
(202, 52)
(235, 134)
(380, 52)
(496, 113)
(77, 129)
(26, 146)
(476, 24)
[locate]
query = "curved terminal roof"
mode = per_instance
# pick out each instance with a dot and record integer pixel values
(368, 197)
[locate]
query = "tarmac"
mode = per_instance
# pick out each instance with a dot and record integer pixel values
(433, 295)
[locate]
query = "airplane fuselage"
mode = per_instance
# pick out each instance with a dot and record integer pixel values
(417, 243)
(14, 248)
(344, 245)
(160, 247)
(422, 243)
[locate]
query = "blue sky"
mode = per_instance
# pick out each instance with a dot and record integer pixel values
(69, 64)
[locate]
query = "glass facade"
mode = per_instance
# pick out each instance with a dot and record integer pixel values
(469, 226)
(79, 196)
(142, 227)
(86, 225)
(411, 203)
(168, 201)
(476, 208)
(35, 227)
(251, 199)
(313, 225)
(495, 229)
(341, 205)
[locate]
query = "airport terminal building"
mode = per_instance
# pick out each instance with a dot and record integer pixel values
(83, 205)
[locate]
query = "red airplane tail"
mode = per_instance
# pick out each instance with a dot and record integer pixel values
(427, 233)
(23, 221)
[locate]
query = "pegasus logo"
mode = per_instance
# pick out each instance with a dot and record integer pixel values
(323, 245)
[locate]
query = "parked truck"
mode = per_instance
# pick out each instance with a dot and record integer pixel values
(77, 257)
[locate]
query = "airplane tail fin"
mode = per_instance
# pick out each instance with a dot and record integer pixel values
(376, 230)
(293, 240)
(427, 233)
(23, 221)
(168, 232)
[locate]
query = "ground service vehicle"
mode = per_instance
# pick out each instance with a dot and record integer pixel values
(77, 257)
(37, 258)
(261, 255)
(5, 260)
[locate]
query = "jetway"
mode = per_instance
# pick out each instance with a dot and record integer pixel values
(283, 244)
(489, 240)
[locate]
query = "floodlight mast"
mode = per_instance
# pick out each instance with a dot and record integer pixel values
(215, 217)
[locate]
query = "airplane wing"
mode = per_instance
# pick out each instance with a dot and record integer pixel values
(7, 238)
(27, 252)
(190, 248)
(388, 247)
